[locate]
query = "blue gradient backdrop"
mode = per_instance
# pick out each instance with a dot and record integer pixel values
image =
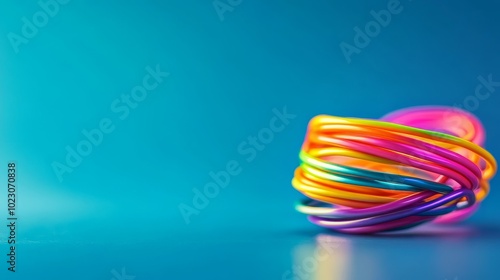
(119, 208)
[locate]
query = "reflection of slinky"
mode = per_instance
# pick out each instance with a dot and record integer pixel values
(328, 259)
(414, 166)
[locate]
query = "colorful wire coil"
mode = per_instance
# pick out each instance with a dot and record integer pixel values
(413, 166)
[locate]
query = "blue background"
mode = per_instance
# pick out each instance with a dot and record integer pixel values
(119, 208)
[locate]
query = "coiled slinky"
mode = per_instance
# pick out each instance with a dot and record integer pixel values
(413, 166)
